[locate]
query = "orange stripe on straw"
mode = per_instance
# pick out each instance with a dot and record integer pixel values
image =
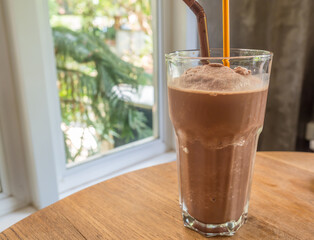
(226, 31)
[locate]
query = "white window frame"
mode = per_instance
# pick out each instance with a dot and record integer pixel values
(31, 48)
(15, 191)
(102, 167)
(3, 175)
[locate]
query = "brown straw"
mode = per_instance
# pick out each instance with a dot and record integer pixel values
(199, 12)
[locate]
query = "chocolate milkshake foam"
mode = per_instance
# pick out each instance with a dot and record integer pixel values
(217, 113)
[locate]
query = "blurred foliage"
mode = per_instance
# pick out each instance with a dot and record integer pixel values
(90, 75)
(89, 9)
(110, 33)
(89, 79)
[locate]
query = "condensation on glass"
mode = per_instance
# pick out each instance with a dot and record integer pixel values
(104, 58)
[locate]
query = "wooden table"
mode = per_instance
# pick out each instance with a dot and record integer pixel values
(144, 205)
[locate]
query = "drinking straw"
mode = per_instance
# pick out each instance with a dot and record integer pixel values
(226, 31)
(199, 12)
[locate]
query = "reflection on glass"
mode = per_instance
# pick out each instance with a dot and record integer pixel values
(103, 52)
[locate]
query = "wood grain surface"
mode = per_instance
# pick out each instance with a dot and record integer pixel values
(144, 205)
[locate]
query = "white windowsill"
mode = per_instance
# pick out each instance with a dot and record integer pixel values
(14, 217)
(9, 204)
(108, 165)
(160, 159)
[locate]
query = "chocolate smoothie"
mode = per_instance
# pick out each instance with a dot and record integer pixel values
(217, 113)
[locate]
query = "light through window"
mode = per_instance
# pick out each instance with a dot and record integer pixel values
(104, 58)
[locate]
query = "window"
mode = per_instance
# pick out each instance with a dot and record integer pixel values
(104, 60)
(38, 155)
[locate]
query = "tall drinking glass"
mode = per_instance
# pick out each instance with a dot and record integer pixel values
(218, 114)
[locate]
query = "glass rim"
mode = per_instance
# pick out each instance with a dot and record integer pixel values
(260, 54)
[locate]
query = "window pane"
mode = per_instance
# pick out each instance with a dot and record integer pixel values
(104, 56)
